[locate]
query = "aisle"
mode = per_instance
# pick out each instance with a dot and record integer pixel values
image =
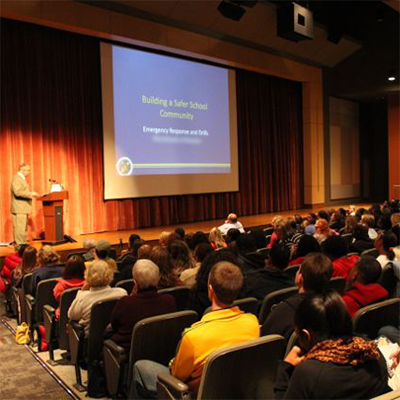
(21, 375)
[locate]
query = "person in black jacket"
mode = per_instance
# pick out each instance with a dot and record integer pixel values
(330, 363)
(313, 276)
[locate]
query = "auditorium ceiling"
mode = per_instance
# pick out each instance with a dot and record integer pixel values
(257, 28)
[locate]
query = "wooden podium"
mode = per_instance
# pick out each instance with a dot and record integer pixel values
(53, 204)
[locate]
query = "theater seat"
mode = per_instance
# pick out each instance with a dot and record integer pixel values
(180, 294)
(393, 395)
(337, 283)
(155, 338)
(242, 371)
(91, 352)
(368, 320)
(126, 284)
(292, 270)
(56, 331)
(275, 298)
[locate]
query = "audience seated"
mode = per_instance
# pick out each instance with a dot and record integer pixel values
(385, 244)
(129, 253)
(143, 302)
(28, 264)
(197, 238)
(231, 236)
(199, 300)
(97, 287)
(89, 245)
(248, 256)
(361, 240)
(306, 245)
(336, 248)
(161, 257)
(216, 239)
(336, 221)
(287, 235)
(72, 276)
(231, 222)
(351, 222)
(180, 232)
(330, 362)
(260, 282)
(49, 267)
(277, 222)
(188, 277)
(224, 326)
(181, 256)
(311, 219)
(363, 287)
(260, 238)
(313, 276)
(102, 252)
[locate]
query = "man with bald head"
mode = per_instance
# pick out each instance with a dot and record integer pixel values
(231, 223)
(21, 203)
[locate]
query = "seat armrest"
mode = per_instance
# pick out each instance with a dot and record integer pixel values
(49, 309)
(176, 387)
(76, 326)
(30, 298)
(118, 352)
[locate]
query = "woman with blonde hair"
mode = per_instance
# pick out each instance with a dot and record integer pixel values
(277, 222)
(216, 239)
(50, 267)
(97, 287)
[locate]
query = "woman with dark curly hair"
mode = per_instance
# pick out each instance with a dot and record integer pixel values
(161, 257)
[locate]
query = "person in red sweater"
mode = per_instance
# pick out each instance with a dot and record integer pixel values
(73, 276)
(336, 248)
(364, 289)
(11, 261)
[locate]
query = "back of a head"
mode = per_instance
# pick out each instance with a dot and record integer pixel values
(146, 274)
(325, 315)
(179, 251)
(132, 239)
(136, 246)
(316, 271)
(103, 249)
(389, 241)
(181, 232)
(89, 244)
(47, 256)
(144, 252)
(99, 274)
(161, 257)
(368, 220)
(259, 238)
(75, 267)
(246, 243)
(197, 238)
(202, 250)
(360, 232)
(29, 259)
(306, 245)
(368, 270)
(232, 218)
(163, 240)
(323, 214)
(335, 247)
(226, 280)
(279, 256)
(232, 235)
(21, 249)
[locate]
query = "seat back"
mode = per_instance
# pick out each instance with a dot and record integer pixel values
(27, 284)
(274, 298)
(293, 340)
(156, 338)
(67, 297)
(338, 283)
(44, 295)
(126, 284)
(292, 270)
(368, 320)
(243, 371)
(348, 237)
(388, 279)
(100, 317)
(248, 305)
(180, 294)
(370, 252)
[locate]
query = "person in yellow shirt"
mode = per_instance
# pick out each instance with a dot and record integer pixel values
(225, 325)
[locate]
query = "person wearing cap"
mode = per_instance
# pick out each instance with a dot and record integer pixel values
(102, 252)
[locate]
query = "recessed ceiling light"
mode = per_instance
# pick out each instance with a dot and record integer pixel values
(391, 78)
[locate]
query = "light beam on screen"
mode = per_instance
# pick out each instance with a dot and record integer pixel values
(169, 125)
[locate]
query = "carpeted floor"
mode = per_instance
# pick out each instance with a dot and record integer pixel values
(21, 376)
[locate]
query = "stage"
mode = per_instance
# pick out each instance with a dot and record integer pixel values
(152, 234)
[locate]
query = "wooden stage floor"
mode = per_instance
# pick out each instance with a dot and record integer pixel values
(152, 234)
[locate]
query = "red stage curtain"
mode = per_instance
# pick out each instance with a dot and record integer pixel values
(51, 119)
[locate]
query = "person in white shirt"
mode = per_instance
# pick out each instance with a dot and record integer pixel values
(231, 222)
(369, 221)
(97, 287)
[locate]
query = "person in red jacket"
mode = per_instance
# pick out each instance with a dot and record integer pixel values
(364, 289)
(73, 276)
(336, 248)
(10, 263)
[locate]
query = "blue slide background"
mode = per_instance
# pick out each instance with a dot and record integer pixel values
(137, 73)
